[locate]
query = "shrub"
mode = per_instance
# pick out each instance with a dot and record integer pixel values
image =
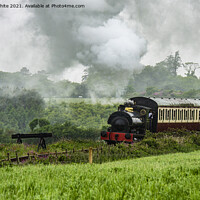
(151, 142)
(195, 139)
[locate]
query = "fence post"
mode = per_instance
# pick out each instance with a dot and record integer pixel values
(17, 158)
(28, 156)
(56, 154)
(90, 155)
(8, 157)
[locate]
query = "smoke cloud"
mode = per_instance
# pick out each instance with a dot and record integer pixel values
(168, 26)
(94, 36)
(21, 44)
(105, 35)
(113, 45)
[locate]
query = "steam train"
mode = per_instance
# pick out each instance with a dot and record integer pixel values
(139, 114)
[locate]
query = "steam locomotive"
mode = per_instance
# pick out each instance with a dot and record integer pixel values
(139, 114)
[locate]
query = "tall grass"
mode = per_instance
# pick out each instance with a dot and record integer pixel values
(173, 176)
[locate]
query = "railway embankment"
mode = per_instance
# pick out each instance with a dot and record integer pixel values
(68, 151)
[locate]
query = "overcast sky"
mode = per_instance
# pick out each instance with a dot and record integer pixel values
(116, 34)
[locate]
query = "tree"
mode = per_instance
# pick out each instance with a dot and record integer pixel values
(43, 122)
(151, 90)
(38, 123)
(191, 68)
(33, 124)
(25, 71)
(129, 90)
(85, 75)
(151, 76)
(17, 111)
(173, 63)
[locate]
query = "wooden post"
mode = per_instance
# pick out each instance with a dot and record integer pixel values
(28, 156)
(90, 155)
(56, 154)
(17, 158)
(8, 156)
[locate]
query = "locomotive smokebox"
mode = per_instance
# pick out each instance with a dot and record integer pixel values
(120, 124)
(121, 121)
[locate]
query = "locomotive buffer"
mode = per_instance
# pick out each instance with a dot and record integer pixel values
(42, 143)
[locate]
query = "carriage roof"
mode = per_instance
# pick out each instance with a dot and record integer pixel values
(168, 102)
(177, 102)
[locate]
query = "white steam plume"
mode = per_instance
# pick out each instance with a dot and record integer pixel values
(112, 44)
(168, 26)
(96, 36)
(22, 45)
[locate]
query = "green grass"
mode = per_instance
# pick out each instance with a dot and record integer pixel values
(173, 176)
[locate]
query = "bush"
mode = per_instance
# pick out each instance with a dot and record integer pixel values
(151, 142)
(33, 124)
(195, 139)
(38, 122)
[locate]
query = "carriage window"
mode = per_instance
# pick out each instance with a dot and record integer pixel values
(199, 115)
(160, 114)
(175, 114)
(172, 114)
(178, 114)
(186, 114)
(169, 114)
(163, 114)
(196, 114)
(192, 115)
(182, 114)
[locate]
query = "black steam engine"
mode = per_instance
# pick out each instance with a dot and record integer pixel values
(129, 123)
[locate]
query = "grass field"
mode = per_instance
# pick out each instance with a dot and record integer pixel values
(172, 176)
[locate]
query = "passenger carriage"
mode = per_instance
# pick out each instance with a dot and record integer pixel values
(172, 112)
